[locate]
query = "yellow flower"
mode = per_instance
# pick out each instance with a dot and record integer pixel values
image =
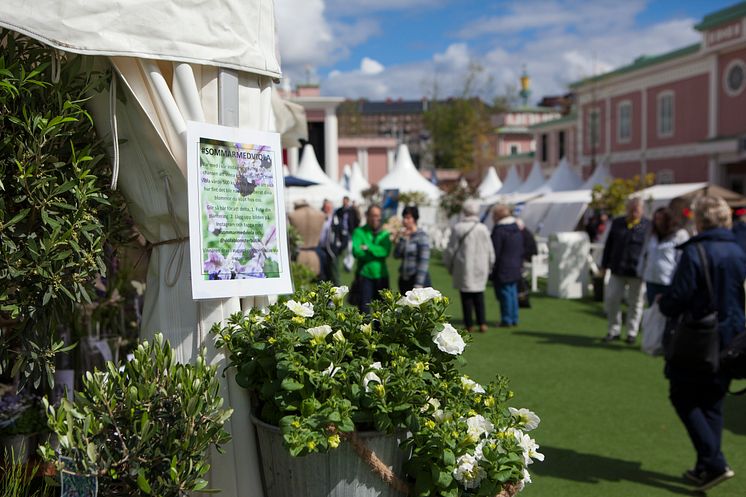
(419, 367)
(295, 424)
(311, 445)
(430, 423)
(271, 340)
(311, 294)
(341, 316)
(478, 398)
(471, 412)
(510, 394)
(489, 401)
(298, 319)
(379, 390)
(334, 441)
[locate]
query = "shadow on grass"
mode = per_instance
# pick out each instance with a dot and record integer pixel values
(550, 338)
(567, 464)
(734, 409)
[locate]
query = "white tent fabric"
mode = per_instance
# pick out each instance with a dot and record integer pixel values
(234, 34)
(601, 176)
(534, 181)
(326, 188)
(555, 212)
(344, 180)
(562, 179)
(490, 184)
(358, 183)
(512, 181)
(660, 195)
(290, 121)
(405, 177)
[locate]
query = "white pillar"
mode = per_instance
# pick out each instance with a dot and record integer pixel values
(362, 160)
(293, 153)
(713, 170)
(331, 148)
(390, 158)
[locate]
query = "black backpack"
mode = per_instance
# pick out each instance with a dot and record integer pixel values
(733, 359)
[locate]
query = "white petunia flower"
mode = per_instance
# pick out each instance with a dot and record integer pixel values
(528, 420)
(319, 333)
(529, 446)
(338, 336)
(339, 293)
(418, 296)
(300, 309)
(371, 376)
(330, 371)
(471, 385)
(477, 426)
(367, 328)
(449, 340)
(468, 472)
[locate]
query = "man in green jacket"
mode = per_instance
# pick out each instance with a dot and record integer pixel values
(371, 246)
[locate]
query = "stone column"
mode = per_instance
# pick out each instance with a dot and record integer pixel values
(390, 159)
(331, 147)
(293, 154)
(362, 161)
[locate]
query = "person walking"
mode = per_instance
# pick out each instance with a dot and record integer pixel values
(469, 258)
(371, 245)
(507, 243)
(698, 396)
(334, 239)
(413, 248)
(621, 256)
(660, 255)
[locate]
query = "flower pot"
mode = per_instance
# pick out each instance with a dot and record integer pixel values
(338, 473)
(17, 447)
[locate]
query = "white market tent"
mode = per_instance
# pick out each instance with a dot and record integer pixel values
(563, 179)
(405, 177)
(660, 195)
(353, 180)
(310, 169)
(512, 181)
(601, 176)
(534, 181)
(210, 62)
(490, 184)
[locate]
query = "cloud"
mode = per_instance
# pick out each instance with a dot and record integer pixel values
(370, 66)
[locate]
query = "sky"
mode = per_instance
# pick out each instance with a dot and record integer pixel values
(410, 49)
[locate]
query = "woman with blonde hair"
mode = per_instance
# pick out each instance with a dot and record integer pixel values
(709, 278)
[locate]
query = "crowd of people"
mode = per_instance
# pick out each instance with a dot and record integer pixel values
(690, 260)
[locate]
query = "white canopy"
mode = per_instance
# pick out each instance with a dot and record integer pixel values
(490, 184)
(660, 195)
(406, 178)
(601, 176)
(555, 212)
(512, 181)
(326, 188)
(358, 183)
(234, 34)
(534, 181)
(562, 179)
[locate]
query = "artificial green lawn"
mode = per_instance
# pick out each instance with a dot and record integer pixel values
(607, 427)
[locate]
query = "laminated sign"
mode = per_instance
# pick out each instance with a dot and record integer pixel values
(237, 223)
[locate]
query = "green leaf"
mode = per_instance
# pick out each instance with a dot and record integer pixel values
(291, 385)
(142, 482)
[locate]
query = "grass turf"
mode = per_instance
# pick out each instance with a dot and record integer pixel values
(607, 427)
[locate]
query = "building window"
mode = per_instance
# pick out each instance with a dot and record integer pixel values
(561, 145)
(624, 128)
(513, 149)
(734, 78)
(594, 135)
(664, 177)
(544, 147)
(665, 113)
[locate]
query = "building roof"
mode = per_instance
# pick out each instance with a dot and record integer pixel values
(524, 155)
(639, 63)
(393, 107)
(721, 16)
(570, 118)
(502, 130)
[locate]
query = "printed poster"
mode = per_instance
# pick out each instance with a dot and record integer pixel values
(237, 223)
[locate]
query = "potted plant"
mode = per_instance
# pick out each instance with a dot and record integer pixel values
(21, 420)
(324, 375)
(143, 428)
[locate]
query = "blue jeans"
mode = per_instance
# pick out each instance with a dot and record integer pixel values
(653, 289)
(369, 289)
(507, 295)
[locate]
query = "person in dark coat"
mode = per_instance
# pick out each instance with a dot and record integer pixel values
(698, 397)
(507, 241)
(621, 256)
(739, 227)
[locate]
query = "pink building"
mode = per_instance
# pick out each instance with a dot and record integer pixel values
(374, 154)
(514, 140)
(680, 115)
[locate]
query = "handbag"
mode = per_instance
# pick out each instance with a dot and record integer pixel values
(694, 344)
(733, 360)
(653, 327)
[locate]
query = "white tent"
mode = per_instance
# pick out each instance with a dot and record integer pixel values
(310, 169)
(562, 179)
(358, 183)
(555, 212)
(405, 177)
(512, 181)
(490, 184)
(601, 176)
(174, 63)
(534, 181)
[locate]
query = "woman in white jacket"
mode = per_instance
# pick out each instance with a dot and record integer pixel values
(660, 255)
(469, 258)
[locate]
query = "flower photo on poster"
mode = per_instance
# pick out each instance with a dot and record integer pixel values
(239, 214)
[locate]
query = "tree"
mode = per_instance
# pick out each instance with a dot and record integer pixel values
(459, 126)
